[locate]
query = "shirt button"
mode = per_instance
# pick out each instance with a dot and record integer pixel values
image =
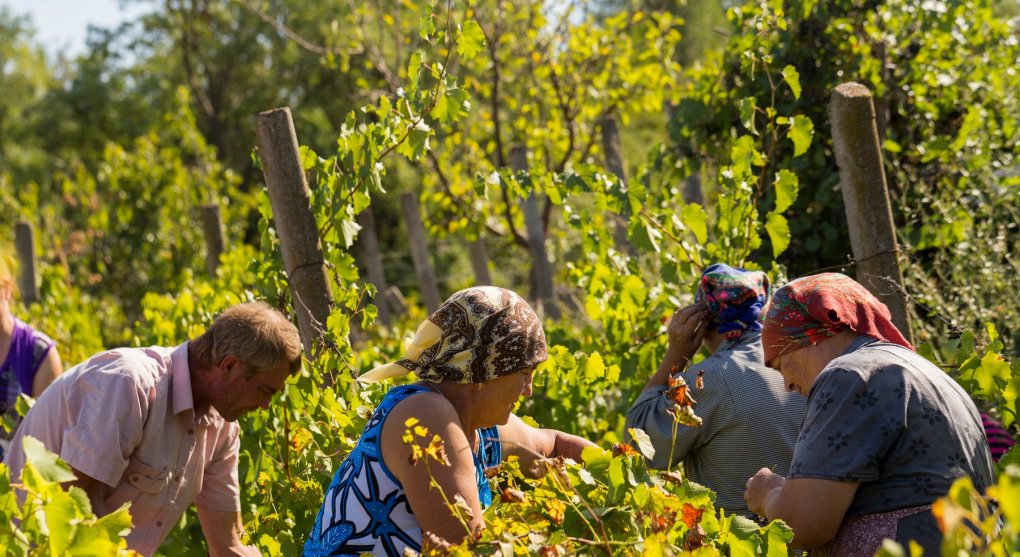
(191, 432)
(159, 523)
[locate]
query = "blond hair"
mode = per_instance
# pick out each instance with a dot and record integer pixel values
(259, 336)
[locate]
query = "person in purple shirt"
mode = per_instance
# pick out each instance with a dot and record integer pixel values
(28, 359)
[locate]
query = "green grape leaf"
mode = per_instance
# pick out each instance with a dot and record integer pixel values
(471, 39)
(270, 544)
(787, 186)
(747, 112)
(116, 524)
(616, 479)
(60, 515)
(993, 370)
(779, 232)
(47, 464)
(1010, 393)
(801, 132)
(792, 78)
(695, 218)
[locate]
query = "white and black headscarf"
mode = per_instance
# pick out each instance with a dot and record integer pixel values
(477, 335)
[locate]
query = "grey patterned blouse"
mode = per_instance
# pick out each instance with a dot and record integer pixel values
(886, 417)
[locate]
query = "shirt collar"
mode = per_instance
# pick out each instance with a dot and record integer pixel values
(183, 398)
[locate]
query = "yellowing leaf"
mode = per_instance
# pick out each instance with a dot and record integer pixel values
(594, 367)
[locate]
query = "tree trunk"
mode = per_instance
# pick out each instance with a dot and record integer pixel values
(369, 241)
(613, 150)
(420, 251)
(543, 293)
(215, 239)
(480, 262)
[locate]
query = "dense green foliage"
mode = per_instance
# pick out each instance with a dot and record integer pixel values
(444, 94)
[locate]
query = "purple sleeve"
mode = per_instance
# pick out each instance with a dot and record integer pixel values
(28, 348)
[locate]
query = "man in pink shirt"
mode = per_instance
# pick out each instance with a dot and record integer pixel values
(155, 427)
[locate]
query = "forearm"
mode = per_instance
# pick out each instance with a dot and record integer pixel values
(672, 363)
(223, 531)
(813, 508)
(570, 446)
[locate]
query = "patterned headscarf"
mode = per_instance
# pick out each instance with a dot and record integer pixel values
(734, 298)
(811, 309)
(477, 335)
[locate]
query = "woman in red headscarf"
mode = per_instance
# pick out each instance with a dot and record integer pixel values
(886, 432)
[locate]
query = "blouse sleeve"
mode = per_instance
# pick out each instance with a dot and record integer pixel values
(849, 427)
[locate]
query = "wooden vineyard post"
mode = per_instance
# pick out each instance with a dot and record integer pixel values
(295, 224)
(866, 197)
(369, 240)
(613, 151)
(541, 269)
(24, 244)
(215, 239)
(420, 251)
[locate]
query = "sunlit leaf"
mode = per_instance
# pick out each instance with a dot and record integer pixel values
(792, 78)
(779, 233)
(802, 130)
(786, 185)
(471, 39)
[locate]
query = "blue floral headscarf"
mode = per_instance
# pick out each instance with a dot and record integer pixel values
(734, 298)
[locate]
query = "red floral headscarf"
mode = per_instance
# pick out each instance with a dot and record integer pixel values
(811, 309)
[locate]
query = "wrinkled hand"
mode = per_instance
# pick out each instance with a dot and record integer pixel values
(686, 330)
(759, 486)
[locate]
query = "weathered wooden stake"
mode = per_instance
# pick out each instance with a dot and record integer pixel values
(613, 150)
(295, 224)
(866, 197)
(24, 244)
(480, 262)
(369, 240)
(215, 239)
(420, 251)
(544, 294)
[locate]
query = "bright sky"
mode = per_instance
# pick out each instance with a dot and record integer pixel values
(61, 25)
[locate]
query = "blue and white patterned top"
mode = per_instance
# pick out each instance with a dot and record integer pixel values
(366, 509)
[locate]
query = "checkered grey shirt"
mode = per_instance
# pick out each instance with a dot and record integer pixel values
(750, 422)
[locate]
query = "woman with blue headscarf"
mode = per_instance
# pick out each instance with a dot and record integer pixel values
(748, 420)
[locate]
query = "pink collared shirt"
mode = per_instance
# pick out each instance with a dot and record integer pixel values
(127, 419)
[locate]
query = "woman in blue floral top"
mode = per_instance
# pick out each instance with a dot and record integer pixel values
(474, 358)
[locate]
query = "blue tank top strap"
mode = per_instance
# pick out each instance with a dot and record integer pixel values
(490, 454)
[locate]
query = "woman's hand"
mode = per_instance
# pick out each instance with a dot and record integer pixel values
(759, 490)
(686, 330)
